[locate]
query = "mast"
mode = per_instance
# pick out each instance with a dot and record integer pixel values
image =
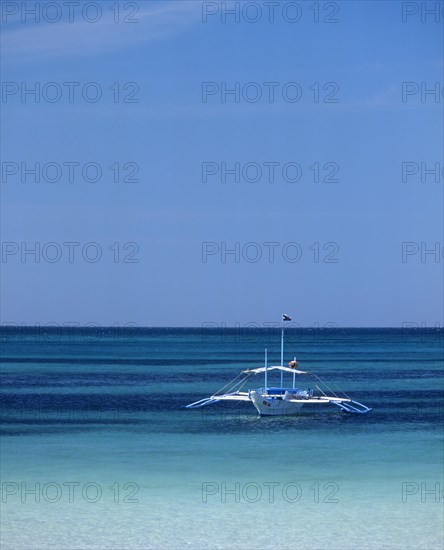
(266, 377)
(285, 317)
(282, 356)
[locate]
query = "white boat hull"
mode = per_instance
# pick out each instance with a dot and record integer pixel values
(269, 406)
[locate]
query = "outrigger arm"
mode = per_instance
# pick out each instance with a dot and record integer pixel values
(355, 408)
(235, 396)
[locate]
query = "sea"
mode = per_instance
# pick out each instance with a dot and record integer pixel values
(99, 452)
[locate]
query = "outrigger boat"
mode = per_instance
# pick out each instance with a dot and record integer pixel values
(282, 400)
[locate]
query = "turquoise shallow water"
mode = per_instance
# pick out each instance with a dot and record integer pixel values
(94, 422)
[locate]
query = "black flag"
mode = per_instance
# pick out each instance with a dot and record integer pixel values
(286, 317)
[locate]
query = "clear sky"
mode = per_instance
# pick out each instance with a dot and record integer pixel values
(337, 114)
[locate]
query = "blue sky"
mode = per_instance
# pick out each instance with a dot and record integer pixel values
(171, 214)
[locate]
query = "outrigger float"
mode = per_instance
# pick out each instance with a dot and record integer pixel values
(282, 400)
